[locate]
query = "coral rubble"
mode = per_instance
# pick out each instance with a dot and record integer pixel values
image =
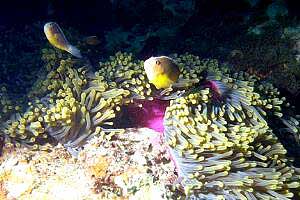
(124, 167)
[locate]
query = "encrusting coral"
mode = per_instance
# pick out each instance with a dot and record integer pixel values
(126, 167)
(216, 124)
(6, 105)
(272, 55)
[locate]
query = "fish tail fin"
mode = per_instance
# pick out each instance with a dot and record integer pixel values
(74, 51)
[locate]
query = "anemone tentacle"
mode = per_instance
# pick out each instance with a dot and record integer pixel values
(221, 130)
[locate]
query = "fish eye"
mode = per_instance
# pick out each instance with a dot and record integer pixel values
(51, 23)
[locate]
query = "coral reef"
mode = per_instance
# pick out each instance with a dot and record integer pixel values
(269, 55)
(276, 9)
(162, 20)
(6, 105)
(126, 166)
(220, 126)
(20, 56)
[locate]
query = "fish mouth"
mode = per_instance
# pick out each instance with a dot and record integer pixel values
(48, 25)
(148, 67)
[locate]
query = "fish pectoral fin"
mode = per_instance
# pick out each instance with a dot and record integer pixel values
(74, 51)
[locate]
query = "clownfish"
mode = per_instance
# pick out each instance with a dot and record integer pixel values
(57, 38)
(161, 71)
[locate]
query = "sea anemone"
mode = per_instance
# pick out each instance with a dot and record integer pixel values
(217, 155)
(215, 122)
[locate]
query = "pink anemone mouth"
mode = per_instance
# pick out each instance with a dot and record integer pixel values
(150, 113)
(146, 113)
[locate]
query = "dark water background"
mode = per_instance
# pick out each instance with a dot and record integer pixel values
(209, 29)
(98, 15)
